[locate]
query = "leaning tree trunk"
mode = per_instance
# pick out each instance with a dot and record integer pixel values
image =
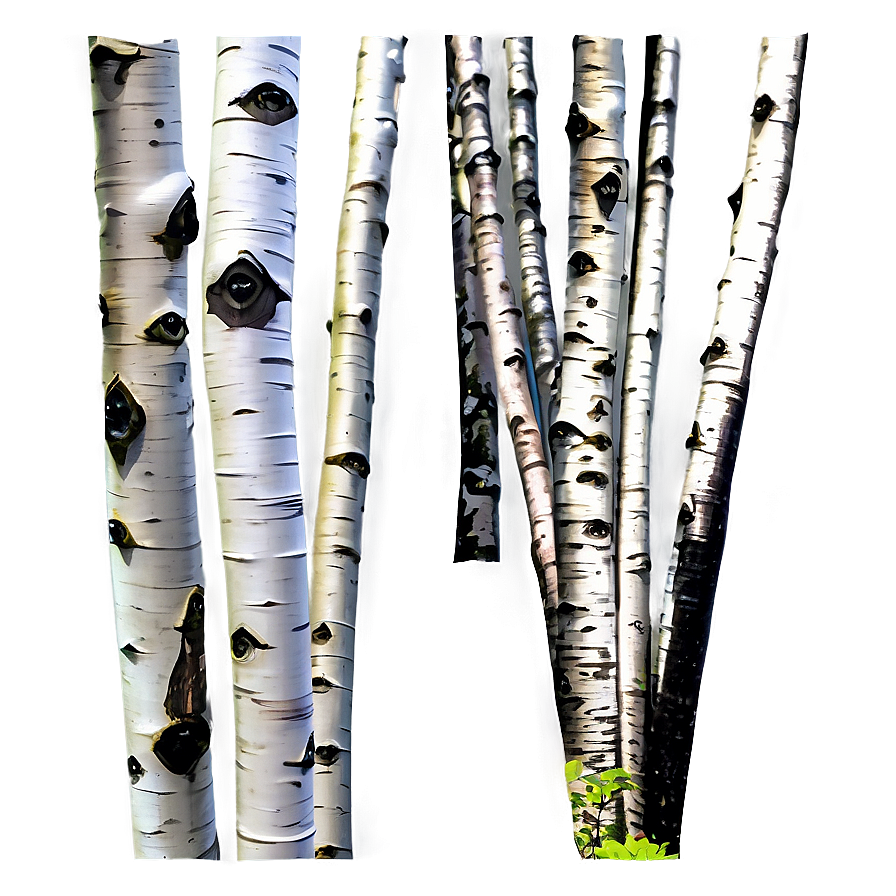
(343, 485)
(638, 391)
(582, 436)
(480, 162)
(477, 535)
(757, 204)
(535, 286)
(248, 287)
(147, 216)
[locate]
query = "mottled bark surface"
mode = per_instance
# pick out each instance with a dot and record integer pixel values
(535, 286)
(714, 436)
(638, 390)
(480, 161)
(247, 278)
(343, 485)
(582, 435)
(477, 532)
(147, 217)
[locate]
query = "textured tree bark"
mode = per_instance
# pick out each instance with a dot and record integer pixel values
(581, 437)
(480, 162)
(343, 486)
(147, 216)
(638, 391)
(757, 205)
(535, 286)
(248, 287)
(477, 535)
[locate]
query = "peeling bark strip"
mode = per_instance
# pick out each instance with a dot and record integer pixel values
(477, 535)
(582, 436)
(638, 391)
(147, 216)
(700, 536)
(247, 278)
(535, 287)
(480, 161)
(343, 484)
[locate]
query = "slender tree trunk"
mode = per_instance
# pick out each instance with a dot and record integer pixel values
(582, 435)
(480, 481)
(343, 485)
(700, 537)
(147, 216)
(638, 390)
(248, 287)
(480, 161)
(535, 286)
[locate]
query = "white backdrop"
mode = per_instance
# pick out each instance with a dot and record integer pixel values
(458, 766)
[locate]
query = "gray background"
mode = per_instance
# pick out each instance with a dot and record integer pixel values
(458, 765)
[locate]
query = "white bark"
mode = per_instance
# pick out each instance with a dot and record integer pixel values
(247, 280)
(477, 532)
(582, 437)
(535, 286)
(480, 161)
(638, 389)
(147, 215)
(343, 486)
(715, 434)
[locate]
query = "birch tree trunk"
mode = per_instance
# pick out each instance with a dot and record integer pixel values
(477, 535)
(480, 162)
(535, 286)
(713, 442)
(248, 287)
(638, 391)
(582, 436)
(343, 485)
(147, 216)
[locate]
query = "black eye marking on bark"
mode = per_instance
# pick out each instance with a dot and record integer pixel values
(736, 199)
(715, 350)
(607, 367)
(245, 295)
(488, 157)
(664, 163)
(182, 227)
(181, 745)
(135, 770)
(607, 190)
(120, 535)
(307, 760)
(169, 329)
(685, 515)
(597, 529)
(592, 477)
(327, 754)
(321, 634)
(582, 263)
(562, 430)
(187, 685)
(763, 107)
(267, 103)
(351, 461)
(600, 441)
(578, 126)
(104, 310)
(695, 439)
(244, 644)
(111, 61)
(598, 411)
(125, 419)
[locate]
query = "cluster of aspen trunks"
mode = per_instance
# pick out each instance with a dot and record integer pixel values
(581, 438)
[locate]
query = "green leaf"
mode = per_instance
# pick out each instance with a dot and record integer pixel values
(574, 769)
(615, 774)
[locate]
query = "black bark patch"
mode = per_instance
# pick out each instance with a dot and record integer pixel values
(182, 227)
(597, 529)
(607, 191)
(125, 419)
(186, 686)
(135, 770)
(487, 158)
(598, 411)
(244, 644)
(307, 760)
(607, 367)
(695, 439)
(715, 350)
(579, 126)
(267, 103)
(120, 535)
(169, 329)
(581, 263)
(685, 516)
(327, 754)
(328, 851)
(110, 66)
(181, 745)
(735, 200)
(664, 163)
(132, 653)
(321, 634)
(593, 477)
(384, 231)
(104, 310)
(351, 461)
(763, 107)
(245, 295)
